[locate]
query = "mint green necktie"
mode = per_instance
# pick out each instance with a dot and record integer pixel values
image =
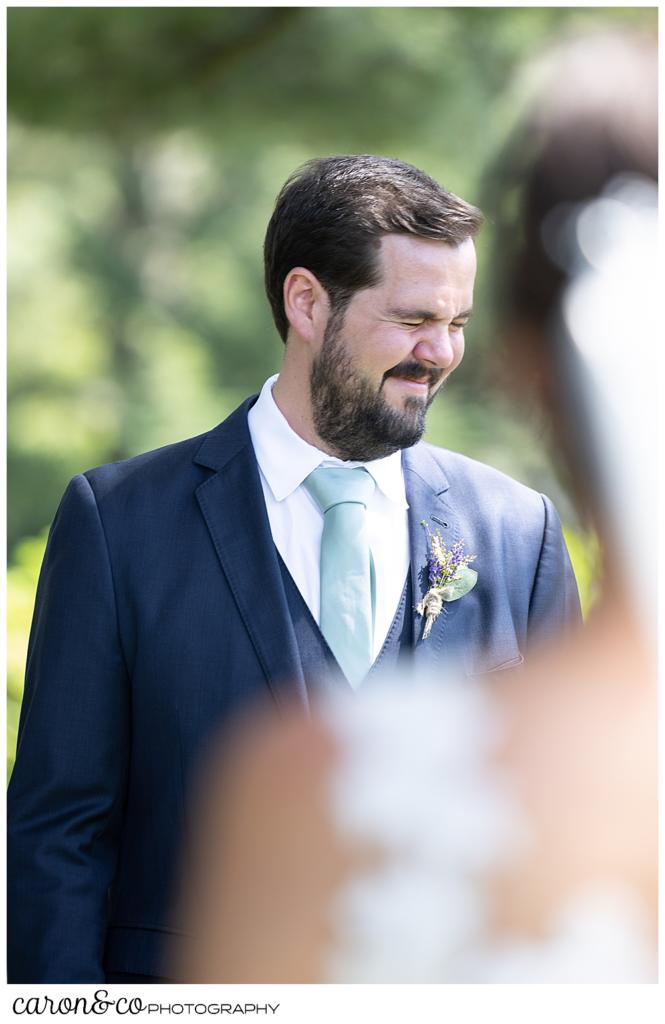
(347, 569)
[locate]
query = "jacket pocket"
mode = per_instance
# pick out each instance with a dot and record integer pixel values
(488, 666)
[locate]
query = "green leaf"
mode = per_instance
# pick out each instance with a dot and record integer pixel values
(458, 588)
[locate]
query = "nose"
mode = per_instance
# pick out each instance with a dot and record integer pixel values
(439, 345)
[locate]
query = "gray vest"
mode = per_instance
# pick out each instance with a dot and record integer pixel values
(319, 664)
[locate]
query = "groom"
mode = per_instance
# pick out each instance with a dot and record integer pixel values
(279, 554)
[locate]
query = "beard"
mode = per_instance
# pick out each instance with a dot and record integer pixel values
(351, 416)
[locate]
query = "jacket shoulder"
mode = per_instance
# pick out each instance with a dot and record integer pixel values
(181, 461)
(168, 469)
(154, 468)
(487, 488)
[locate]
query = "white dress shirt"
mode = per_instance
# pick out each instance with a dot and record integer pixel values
(296, 521)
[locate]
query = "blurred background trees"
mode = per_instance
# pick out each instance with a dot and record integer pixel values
(146, 147)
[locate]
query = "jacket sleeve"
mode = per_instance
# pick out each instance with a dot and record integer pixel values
(67, 789)
(554, 606)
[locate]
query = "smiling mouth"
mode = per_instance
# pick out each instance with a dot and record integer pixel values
(419, 382)
(416, 376)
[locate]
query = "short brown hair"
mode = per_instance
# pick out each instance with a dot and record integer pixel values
(332, 212)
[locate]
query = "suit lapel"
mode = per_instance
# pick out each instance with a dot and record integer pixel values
(233, 507)
(427, 503)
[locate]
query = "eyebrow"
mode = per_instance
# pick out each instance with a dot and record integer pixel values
(423, 314)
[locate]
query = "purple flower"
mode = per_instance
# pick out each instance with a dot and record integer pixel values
(445, 568)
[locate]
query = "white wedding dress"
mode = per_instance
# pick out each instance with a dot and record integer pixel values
(416, 776)
(415, 779)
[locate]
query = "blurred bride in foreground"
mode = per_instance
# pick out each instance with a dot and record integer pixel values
(452, 830)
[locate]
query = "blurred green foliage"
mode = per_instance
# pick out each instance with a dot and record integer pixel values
(145, 148)
(585, 554)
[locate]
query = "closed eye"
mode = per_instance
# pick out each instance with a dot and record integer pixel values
(409, 318)
(456, 325)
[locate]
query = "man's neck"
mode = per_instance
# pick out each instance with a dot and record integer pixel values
(293, 402)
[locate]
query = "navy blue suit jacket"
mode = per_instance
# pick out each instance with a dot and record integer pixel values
(161, 611)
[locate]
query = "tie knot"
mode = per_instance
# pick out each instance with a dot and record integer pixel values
(333, 485)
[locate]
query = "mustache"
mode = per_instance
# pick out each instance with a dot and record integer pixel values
(415, 371)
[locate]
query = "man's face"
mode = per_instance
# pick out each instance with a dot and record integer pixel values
(383, 360)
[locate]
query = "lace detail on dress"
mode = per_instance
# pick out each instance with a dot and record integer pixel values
(416, 780)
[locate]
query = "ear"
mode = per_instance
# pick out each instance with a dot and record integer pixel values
(305, 304)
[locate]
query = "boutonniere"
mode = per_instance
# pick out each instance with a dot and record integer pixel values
(447, 576)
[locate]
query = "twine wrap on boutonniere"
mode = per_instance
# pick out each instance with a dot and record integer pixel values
(448, 577)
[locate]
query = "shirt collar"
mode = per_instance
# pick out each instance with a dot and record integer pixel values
(286, 459)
